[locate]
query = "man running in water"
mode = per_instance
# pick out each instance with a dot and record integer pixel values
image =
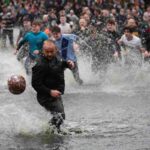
(48, 82)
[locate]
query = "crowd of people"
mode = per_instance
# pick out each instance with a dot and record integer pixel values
(52, 31)
(101, 21)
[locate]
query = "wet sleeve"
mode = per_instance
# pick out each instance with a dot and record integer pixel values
(65, 65)
(38, 74)
(61, 85)
(24, 40)
(74, 37)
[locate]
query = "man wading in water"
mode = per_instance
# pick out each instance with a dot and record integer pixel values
(48, 82)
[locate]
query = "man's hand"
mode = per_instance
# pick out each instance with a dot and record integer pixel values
(71, 64)
(55, 93)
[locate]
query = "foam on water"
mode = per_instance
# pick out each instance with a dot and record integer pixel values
(18, 119)
(118, 78)
(122, 80)
(15, 116)
(19, 114)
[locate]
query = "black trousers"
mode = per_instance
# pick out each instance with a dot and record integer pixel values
(9, 33)
(54, 105)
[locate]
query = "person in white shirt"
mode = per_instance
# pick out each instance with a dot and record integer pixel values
(64, 26)
(131, 45)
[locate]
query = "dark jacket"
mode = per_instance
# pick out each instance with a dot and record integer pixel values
(47, 75)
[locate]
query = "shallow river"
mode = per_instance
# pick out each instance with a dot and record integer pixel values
(108, 112)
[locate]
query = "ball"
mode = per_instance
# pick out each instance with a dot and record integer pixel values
(16, 84)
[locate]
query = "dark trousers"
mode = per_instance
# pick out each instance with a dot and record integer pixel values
(9, 33)
(55, 106)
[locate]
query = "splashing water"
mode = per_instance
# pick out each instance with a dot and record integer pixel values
(118, 78)
(105, 106)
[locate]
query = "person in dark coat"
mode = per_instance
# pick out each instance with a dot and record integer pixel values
(48, 82)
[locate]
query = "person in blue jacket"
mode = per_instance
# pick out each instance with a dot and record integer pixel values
(64, 43)
(35, 39)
